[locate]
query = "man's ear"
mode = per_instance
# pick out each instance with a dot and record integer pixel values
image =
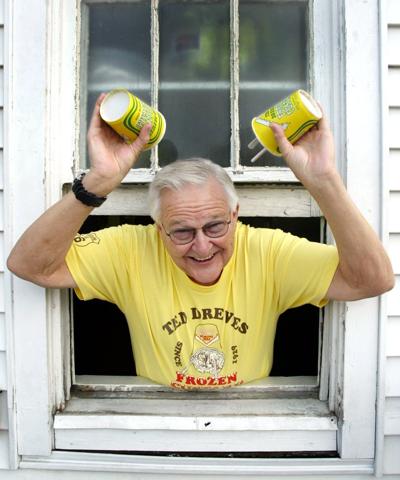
(236, 212)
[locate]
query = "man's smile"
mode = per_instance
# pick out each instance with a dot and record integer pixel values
(203, 260)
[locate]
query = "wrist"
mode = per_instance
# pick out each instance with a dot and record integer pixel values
(325, 185)
(98, 184)
(84, 195)
(331, 195)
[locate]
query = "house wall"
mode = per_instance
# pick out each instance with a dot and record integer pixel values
(391, 460)
(391, 456)
(3, 364)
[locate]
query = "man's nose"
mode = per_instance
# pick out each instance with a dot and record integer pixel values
(201, 243)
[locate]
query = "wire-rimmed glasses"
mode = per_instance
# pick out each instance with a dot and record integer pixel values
(182, 236)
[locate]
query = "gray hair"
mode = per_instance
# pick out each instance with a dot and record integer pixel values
(193, 171)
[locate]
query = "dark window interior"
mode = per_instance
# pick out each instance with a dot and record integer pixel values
(103, 348)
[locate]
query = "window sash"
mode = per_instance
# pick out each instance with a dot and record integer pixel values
(240, 173)
(279, 202)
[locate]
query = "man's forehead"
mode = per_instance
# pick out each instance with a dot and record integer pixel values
(194, 201)
(187, 222)
(190, 191)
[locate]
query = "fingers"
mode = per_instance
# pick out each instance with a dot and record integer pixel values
(100, 99)
(143, 138)
(95, 120)
(284, 145)
(323, 124)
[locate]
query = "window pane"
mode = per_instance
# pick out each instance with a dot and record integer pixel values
(273, 62)
(194, 67)
(194, 80)
(119, 53)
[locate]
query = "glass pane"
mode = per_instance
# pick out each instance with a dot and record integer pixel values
(119, 52)
(273, 63)
(194, 80)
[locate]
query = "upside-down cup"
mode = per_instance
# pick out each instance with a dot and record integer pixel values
(296, 114)
(127, 115)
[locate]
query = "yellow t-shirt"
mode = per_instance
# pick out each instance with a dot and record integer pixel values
(187, 335)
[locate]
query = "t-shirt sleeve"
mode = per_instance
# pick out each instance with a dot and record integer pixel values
(303, 270)
(97, 262)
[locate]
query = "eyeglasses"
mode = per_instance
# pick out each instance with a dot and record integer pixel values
(182, 236)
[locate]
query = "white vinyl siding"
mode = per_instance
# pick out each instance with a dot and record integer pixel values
(3, 363)
(391, 460)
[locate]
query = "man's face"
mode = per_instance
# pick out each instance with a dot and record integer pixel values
(194, 206)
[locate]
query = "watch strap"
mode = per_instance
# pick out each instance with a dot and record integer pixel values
(85, 197)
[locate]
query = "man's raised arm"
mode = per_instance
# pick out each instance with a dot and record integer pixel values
(39, 255)
(364, 267)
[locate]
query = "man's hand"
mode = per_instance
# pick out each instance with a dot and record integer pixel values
(111, 157)
(312, 157)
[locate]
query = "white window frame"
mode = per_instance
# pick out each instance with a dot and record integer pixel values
(40, 386)
(287, 199)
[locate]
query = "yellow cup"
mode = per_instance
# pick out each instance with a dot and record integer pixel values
(296, 113)
(127, 115)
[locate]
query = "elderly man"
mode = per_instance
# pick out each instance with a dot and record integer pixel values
(201, 291)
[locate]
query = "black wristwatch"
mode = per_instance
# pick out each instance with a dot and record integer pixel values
(87, 198)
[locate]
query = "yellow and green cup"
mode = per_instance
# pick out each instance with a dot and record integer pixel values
(296, 113)
(127, 115)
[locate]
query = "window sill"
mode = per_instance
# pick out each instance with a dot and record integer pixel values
(134, 386)
(278, 200)
(234, 467)
(252, 174)
(191, 423)
(244, 175)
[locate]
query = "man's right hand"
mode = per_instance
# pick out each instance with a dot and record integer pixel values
(110, 156)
